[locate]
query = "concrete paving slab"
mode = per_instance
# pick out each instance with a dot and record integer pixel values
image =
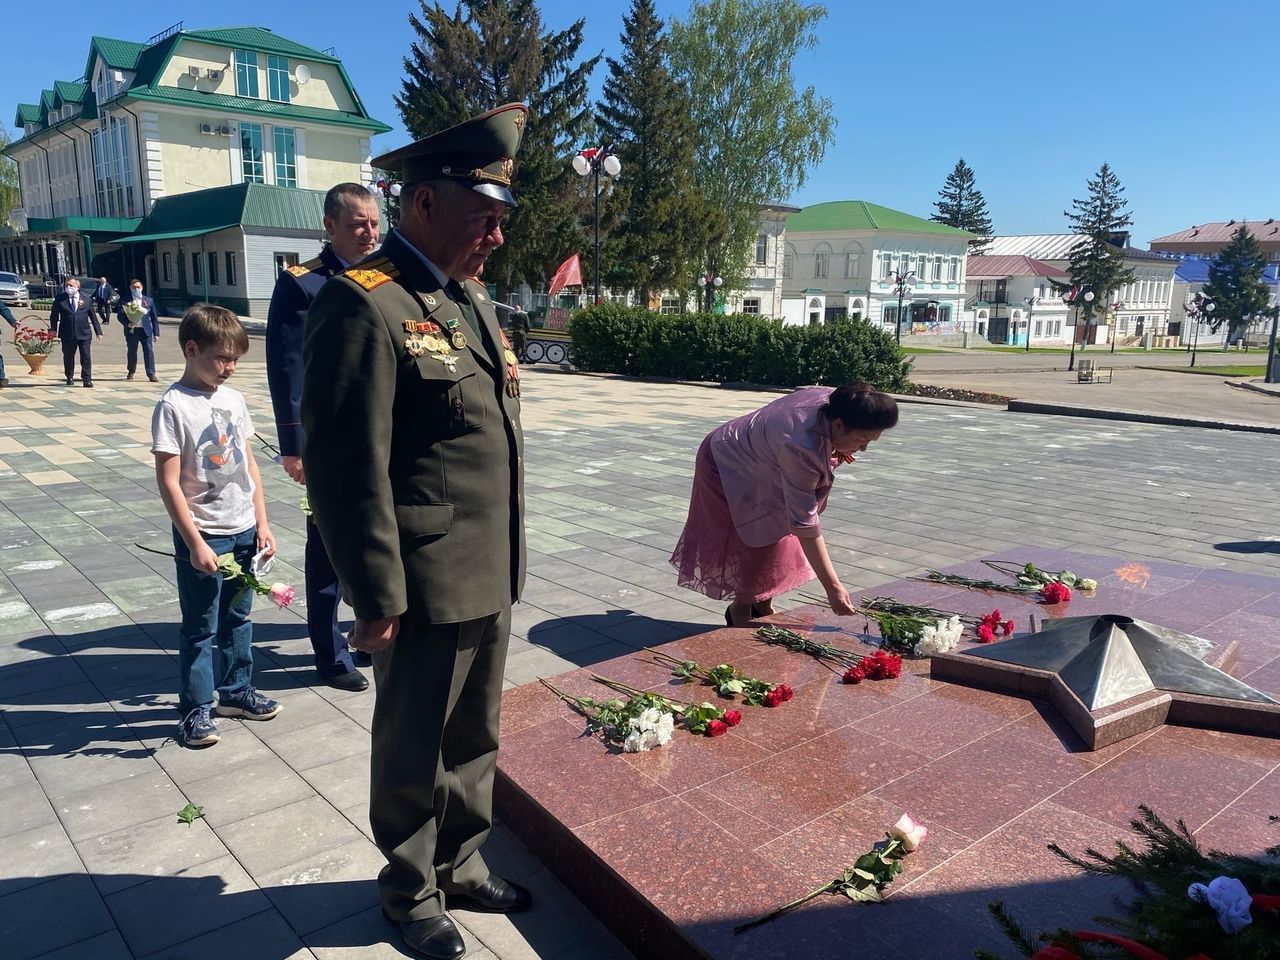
(163, 847)
(27, 925)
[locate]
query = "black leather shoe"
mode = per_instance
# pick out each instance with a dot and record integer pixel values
(495, 895)
(435, 938)
(88, 383)
(353, 681)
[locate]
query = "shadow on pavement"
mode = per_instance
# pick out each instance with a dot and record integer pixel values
(1249, 546)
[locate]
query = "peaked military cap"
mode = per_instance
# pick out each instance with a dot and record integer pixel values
(479, 152)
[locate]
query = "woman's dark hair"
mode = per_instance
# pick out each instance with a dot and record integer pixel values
(860, 406)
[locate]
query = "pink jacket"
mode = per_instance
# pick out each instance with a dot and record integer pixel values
(775, 465)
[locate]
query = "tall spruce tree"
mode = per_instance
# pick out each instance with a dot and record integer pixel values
(1097, 261)
(960, 204)
(758, 134)
(1235, 284)
(490, 52)
(645, 115)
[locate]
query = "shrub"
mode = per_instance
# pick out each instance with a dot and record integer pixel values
(609, 338)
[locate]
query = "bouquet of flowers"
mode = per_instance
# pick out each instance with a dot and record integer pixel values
(637, 724)
(33, 342)
(877, 666)
(728, 681)
(703, 719)
(1053, 586)
(134, 311)
(870, 874)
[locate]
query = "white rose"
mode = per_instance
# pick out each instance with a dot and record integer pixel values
(908, 830)
(1088, 584)
(1229, 899)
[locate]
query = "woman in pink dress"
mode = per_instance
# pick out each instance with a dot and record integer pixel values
(759, 485)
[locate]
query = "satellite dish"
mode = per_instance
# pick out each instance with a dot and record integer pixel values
(302, 74)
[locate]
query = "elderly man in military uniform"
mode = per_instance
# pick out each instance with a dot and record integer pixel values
(351, 225)
(413, 450)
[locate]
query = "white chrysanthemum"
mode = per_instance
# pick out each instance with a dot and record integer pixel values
(664, 728)
(647, 720)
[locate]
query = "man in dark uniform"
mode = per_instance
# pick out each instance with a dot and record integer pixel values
(519, 326)
(351, 224)
(414, 463)
(75, 322)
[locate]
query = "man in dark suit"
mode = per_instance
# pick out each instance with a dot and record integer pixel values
(137, 317)
(351, 223)
(104, 298)
(413, 449)
(74, 321)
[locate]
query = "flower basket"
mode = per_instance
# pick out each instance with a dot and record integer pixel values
(35, 361)
(35, 345)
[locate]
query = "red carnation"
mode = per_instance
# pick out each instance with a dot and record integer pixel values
(785, 692)
(1056, 592)
(772, 698)
(1008, 628)
(891, 666)
(716, 727)
(992, 619)
(733, 717)
(854, 675)
(986, 634)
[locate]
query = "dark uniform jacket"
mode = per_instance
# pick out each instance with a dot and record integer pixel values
(81, 324)
(415, 469)
(295, 288)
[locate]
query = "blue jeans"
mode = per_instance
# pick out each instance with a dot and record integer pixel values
(209, 611)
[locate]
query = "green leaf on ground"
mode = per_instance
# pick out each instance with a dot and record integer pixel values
(190, 814)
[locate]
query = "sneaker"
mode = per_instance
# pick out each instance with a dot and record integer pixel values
(198, 728)
(250, 706)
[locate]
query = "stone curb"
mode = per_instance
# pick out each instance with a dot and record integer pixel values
(1060, 410)
(1267, 389)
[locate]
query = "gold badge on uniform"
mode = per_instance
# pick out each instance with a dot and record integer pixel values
(509, 356)
(415, 346)
(458, 340)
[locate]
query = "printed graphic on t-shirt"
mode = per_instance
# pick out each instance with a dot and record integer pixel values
(221, 454)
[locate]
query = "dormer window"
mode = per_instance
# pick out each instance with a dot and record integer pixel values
(278, 78)
(246, 62)
(107, 83)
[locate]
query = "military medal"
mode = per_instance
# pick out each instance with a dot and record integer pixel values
(450, 363)
(509, 356)
(457, 338)
(415, 346)
(513, 367)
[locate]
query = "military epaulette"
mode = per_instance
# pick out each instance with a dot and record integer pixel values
(373, 274)
(302, 269)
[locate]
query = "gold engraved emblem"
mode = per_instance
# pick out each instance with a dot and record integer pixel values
(458, 340)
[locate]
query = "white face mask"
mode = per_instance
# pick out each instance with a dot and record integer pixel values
(137, 291)
(71, 291)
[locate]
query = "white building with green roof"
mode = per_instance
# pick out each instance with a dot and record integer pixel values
(841, 257)
(187, 111)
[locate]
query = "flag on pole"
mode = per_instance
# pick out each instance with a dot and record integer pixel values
(567, 274)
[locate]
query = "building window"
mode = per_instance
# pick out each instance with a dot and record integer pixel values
(788, 266)
(937, 270)
(1057, 328)
(286, 162)
(1039, 327)
(762, 249)
(820, 265)
(953, 269)
(166, 266)
(751, 305)
(229, 261)
(890, 315)
(195, 268)
(252, 166)
(944, 313)
(112, 166)
(246, 73)
(886, 266)
(284, 261)
(922, 266)
(670, 305)
(213, 269)
(277, 78)
(852, 264)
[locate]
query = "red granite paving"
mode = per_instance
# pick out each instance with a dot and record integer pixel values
(674, 847)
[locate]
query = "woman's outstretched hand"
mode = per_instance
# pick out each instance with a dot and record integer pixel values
(838, 599)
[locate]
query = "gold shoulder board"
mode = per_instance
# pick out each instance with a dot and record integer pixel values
(373, 274)
(301, 269)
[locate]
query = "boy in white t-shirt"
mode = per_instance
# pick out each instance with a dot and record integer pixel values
(211, 487)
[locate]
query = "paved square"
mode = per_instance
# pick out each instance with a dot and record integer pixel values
(90, 778)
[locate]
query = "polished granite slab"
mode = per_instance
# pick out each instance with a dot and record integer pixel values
(674, 847)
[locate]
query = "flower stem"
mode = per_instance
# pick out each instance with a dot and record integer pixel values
(779, 911)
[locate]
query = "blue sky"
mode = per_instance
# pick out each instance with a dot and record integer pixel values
(1181, 98)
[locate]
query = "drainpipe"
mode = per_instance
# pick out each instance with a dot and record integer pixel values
(75, 152)
(137, 135)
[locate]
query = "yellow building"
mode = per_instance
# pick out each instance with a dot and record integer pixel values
(190, 110)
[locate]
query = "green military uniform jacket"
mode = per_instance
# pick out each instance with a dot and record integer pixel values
(413, 446)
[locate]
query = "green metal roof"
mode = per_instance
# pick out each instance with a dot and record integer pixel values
(118, 54)
(239, 205)
(861, 215)
(68, 91)
(83, 224)
(46, 101)
(27, 113)
(222, 102)
(259, 38)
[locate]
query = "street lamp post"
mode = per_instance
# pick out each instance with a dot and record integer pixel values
(1087, 296)
(1115, 309)
(1031, 309)
(711, 282)
(588, 163)
(901, 286)
(1199, 309)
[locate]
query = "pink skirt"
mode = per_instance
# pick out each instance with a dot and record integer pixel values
(712, 559)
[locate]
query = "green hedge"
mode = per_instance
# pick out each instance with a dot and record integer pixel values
(729, 349)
